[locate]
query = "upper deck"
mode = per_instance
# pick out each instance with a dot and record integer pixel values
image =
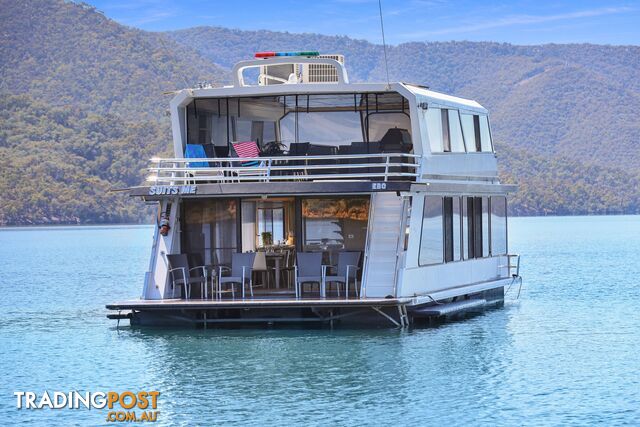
(302, 130)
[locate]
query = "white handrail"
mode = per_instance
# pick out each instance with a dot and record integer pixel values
(238, 68)
(284, 157)
(174, 171)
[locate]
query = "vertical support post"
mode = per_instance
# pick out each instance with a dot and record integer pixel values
(268, 170)
(238, 225)
(386, 168)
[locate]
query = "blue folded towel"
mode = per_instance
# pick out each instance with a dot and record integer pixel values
(195, 151)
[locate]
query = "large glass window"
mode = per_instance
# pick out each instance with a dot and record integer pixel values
(270, 225)
(455, 132)
(380, 123)
(446, 142)
(321, 120)
(485, 227)
(431, 240)
(469, 131)
(334, 223)
(322, 128)
(456, 228)
(485, 134)
(498, 225)
(444, 130)
(452, 229)
(209, 230)
(477, 136)
(433, 117)
(467, 227)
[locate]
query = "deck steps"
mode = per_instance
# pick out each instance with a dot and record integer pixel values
(382, 247)
(448, 308)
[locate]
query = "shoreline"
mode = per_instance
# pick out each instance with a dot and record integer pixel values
(148, 224)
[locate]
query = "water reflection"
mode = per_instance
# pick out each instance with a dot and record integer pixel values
(566, 353)
(357, 374)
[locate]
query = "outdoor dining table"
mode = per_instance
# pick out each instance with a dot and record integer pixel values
(212, 272)
(277, 257)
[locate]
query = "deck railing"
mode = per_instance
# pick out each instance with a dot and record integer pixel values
(374, 167)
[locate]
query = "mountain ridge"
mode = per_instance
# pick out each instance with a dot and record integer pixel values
(83, 108)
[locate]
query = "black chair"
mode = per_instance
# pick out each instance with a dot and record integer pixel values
(371, 147)
(221, 151)
(298, 149)
(397, 141)
(181, 275)
(321, 150)
(209, 150)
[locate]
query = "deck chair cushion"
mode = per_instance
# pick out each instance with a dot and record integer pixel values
(247, 149)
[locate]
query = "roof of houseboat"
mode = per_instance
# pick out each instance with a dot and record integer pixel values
(413, 92)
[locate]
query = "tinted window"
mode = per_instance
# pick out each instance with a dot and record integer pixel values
(452, 229)
(334, 223)
(446, 142)
(433, 118)
(485, 134)
(467, 227)
(468, 130)
(431, 240)
(455, 132)
(498, 226)
(485, 226)
(209, 230)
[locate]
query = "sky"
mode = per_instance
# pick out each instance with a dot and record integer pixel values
(517, 22)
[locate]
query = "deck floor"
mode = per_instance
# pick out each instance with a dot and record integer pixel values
(263, 301)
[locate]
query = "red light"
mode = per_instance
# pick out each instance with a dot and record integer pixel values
(265, 54)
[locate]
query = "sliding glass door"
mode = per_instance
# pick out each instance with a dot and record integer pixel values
(209, 232)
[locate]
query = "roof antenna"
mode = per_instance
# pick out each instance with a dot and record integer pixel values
(384, 45)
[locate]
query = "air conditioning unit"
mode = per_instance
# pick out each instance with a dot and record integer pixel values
(321, 73)
(303, 73)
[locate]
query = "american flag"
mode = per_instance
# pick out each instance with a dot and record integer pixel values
(247, 149)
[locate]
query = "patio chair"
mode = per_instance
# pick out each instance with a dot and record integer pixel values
(260, 266)
(308, 269)
(241, 267)
(195, 151)
(254, 168)
(288, 268)
(346, 270)
(201, 169)
(181, 275)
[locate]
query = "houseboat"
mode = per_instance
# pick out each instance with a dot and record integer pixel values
(296, 196)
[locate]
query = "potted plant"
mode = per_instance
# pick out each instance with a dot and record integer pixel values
(273, 148)
(267, 238)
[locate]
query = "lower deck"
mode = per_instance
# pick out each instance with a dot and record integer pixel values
(272, 301)
(270, 309)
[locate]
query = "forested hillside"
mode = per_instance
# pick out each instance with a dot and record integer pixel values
(69, 54)
(82, 108)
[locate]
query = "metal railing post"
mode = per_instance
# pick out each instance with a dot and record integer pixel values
(269, 170)
(386, 168)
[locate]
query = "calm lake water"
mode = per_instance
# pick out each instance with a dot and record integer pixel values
(566, 353)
